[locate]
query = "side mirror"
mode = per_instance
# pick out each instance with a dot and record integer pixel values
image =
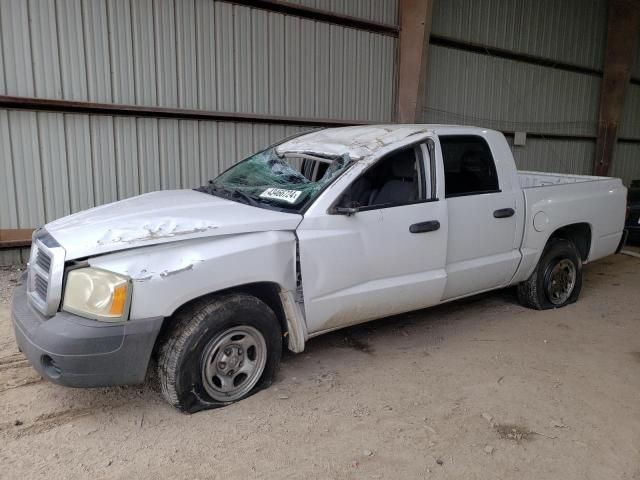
(348, 211)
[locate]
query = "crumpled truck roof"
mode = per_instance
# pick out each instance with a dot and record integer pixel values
(359, 141)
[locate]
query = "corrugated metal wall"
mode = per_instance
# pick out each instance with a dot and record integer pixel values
(197, 54)
(558, 156)
(192, 54)
(626, 164)
(505, 92)
(468, 88)
(382, 11)
(571, 31)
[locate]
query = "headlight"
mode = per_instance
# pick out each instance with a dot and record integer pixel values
(97, 294)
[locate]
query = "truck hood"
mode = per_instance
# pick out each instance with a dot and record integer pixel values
(161, 217)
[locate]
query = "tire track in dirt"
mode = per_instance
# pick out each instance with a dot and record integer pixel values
(16, 360)
(29, 381)
(45, 422)
(10, 359)
(16, 364)
(15, 372)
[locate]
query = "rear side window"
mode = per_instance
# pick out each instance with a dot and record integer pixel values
(469, 168)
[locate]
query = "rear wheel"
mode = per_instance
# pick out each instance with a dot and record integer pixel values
(557, 279)
(221, 350)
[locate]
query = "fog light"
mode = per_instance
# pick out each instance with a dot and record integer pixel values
(50, 368)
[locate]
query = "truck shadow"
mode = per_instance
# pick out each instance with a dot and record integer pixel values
(428, 325)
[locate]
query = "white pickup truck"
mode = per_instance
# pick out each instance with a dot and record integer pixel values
(321, 231)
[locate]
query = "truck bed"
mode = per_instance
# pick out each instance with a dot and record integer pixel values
(542, 179)
(555, 200)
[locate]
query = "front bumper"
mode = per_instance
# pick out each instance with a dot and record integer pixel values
(77, 352)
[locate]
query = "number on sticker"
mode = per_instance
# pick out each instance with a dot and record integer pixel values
(289, 196)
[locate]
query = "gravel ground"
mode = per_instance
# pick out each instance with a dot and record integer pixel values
(8, 278)
(482, 388)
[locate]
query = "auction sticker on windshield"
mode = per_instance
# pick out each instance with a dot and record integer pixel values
(289, 196)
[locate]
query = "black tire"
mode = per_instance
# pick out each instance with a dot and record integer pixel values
(533, 292)
(181, 355)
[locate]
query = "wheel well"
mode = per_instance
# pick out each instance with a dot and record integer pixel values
(268, 292)
(579, 234)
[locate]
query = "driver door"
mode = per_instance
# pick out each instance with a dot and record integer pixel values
(386, 258)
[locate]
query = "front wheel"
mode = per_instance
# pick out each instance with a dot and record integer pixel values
(220, 351)
(557, 279)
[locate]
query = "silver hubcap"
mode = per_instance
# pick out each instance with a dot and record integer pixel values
(233, 362)
(562, 280)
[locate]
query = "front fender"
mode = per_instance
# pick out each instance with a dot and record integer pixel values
(164, 277)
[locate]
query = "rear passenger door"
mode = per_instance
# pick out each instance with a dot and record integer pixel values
(481, 250)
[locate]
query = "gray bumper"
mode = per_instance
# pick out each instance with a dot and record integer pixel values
(77, 352)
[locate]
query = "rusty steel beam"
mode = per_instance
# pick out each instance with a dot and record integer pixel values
(73, 106)
(415, 29)
(319, 15)
(622, 35)
(15, 238)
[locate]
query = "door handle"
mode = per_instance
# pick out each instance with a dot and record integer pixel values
(504, 213)
(422, 227)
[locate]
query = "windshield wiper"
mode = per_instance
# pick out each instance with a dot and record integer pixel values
(213, 189)
(250, 200)
(232, 194)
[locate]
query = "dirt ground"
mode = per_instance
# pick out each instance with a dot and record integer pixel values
(476, 389)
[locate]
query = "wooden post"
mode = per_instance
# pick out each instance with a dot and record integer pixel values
(415, 28)
(622, 35)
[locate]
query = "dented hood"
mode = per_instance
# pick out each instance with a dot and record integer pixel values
(161, 217)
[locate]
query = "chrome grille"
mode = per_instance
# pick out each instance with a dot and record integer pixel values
(41, 278)
(42, 285)
(43, 260)
(46, 268)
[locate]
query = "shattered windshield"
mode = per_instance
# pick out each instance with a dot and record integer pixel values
(286, 182)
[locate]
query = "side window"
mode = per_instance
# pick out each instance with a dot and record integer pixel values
(313, 170)
(396, 179)
(468, 166)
